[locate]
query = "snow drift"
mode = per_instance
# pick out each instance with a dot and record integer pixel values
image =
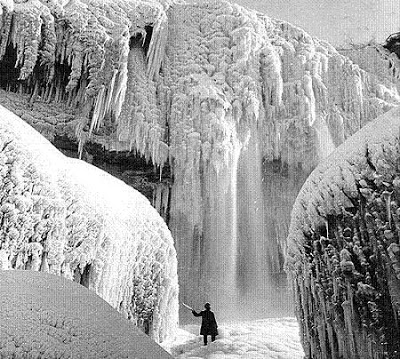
(45, 316)
(66, 217)
(239, 106)
(343, 248)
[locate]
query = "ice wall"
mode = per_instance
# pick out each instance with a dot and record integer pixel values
(343, 248)
(68, 218)
(241, 107)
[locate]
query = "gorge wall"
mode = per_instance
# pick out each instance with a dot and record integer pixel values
(230, 109)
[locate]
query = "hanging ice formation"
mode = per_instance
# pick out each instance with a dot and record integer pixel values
(66, 217)
(240, 107)
(343, 248)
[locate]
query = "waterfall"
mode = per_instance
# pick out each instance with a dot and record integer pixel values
(239, 106)
(221, 235)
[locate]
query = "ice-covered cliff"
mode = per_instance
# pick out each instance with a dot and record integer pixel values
(383, 62)
(45, 316)
(237, 106)
(343, 248)
(66, 217)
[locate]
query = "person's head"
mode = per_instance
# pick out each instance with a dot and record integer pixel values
(207, 306)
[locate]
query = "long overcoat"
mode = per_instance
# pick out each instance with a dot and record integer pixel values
(208, 323)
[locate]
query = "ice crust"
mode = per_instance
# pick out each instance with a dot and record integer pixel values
(66, 217)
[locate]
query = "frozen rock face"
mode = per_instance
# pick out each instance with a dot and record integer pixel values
(68, 218)
(378, 60)
(239, 106)
(343, 252)
(45, 316)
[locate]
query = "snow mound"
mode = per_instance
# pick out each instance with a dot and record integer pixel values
(343, 249)
(69, 218)
(46, 316)
(335, 182)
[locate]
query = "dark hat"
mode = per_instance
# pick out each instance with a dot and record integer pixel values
(207, 305)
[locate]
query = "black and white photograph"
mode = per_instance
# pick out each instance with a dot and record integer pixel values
(199, 179)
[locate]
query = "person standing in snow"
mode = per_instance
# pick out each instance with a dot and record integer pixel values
(208, 323)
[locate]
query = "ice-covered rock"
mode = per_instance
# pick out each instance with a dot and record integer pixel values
(66, 217)
(343, 249)
(46, 316)
(239, 106)
(377, 60)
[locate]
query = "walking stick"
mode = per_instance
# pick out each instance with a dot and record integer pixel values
(186, 306)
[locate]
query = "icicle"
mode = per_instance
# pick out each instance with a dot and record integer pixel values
(119, 92)
(110, 93)
(272, 78)
(98, 109)
(6, 31)
(44, 267)
(157, 46)
(4, 262)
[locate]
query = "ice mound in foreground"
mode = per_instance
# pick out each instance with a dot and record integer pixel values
(69, 218)
(343, 248)
(45, 316)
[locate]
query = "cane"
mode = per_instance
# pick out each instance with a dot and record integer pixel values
(186, 306)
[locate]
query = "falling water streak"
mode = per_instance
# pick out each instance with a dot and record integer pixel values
(325, 140)
(234, 246)
(255, 247)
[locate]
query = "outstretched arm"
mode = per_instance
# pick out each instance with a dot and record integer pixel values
(196, 314)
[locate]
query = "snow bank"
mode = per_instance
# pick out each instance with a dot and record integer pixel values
(45, 316)
(343, 247)
(69, 218)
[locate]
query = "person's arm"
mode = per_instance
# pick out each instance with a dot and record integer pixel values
(196, 314)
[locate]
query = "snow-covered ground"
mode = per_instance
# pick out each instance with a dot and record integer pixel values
(273, 338)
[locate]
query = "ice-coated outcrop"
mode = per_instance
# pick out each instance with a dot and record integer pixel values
(377, 60)
(343, 248)
(66, 217)
(239, 106)
(45, 316)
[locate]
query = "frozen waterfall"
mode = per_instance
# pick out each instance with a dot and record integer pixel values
(236, 107)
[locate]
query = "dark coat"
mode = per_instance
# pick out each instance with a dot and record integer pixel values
(208, 323)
